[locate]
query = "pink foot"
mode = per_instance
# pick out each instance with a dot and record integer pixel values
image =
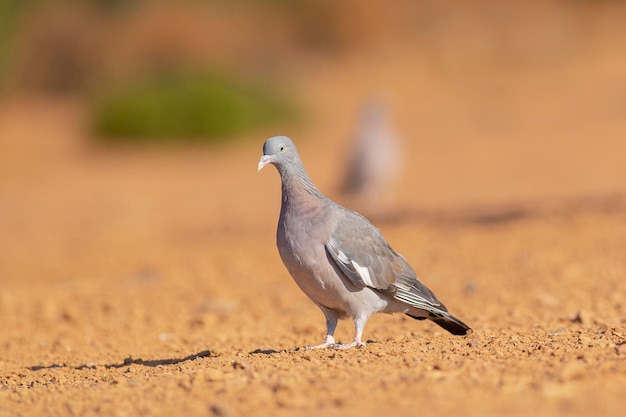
(329, 342)
(356, 343)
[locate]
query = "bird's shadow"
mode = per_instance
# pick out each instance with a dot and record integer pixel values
(479, 217)
(265, 351)
(296, 349)
(129, 361)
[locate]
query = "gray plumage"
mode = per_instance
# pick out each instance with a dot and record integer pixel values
(373, 159)
(339, 259)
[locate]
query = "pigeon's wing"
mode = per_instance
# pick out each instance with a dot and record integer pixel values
(363, 255)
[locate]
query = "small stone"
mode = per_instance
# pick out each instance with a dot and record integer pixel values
(220, 410)
(581, 317)
(241, 365)
(575, 317)
(473, 343)
(558, 331)
(470, 287)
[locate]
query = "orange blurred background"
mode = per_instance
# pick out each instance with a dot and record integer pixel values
(495, 102)
(159, 244)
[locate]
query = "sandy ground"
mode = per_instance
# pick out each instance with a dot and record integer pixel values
(147, 282)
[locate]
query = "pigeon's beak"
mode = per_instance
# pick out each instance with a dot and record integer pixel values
(265, 159)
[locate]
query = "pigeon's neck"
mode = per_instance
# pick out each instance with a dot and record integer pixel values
(297, 187)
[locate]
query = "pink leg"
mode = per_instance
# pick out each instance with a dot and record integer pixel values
(331, 325)
(359, 325)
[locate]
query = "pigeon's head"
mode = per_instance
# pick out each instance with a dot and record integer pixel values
(279, 151)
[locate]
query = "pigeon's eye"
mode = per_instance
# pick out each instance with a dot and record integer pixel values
(282, 148)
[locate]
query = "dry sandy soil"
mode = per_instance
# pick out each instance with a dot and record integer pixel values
(146, 282)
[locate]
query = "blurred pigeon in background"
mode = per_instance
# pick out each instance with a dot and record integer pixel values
(339, 259)
(374, 160)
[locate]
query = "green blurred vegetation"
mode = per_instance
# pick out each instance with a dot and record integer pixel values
(193, 108)
(9, 11)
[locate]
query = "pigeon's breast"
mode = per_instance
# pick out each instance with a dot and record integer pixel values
(301, 247)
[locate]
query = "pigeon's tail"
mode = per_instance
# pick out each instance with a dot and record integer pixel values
(447, 321)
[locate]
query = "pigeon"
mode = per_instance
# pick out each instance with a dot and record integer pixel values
(340, 260)
(374, 159)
